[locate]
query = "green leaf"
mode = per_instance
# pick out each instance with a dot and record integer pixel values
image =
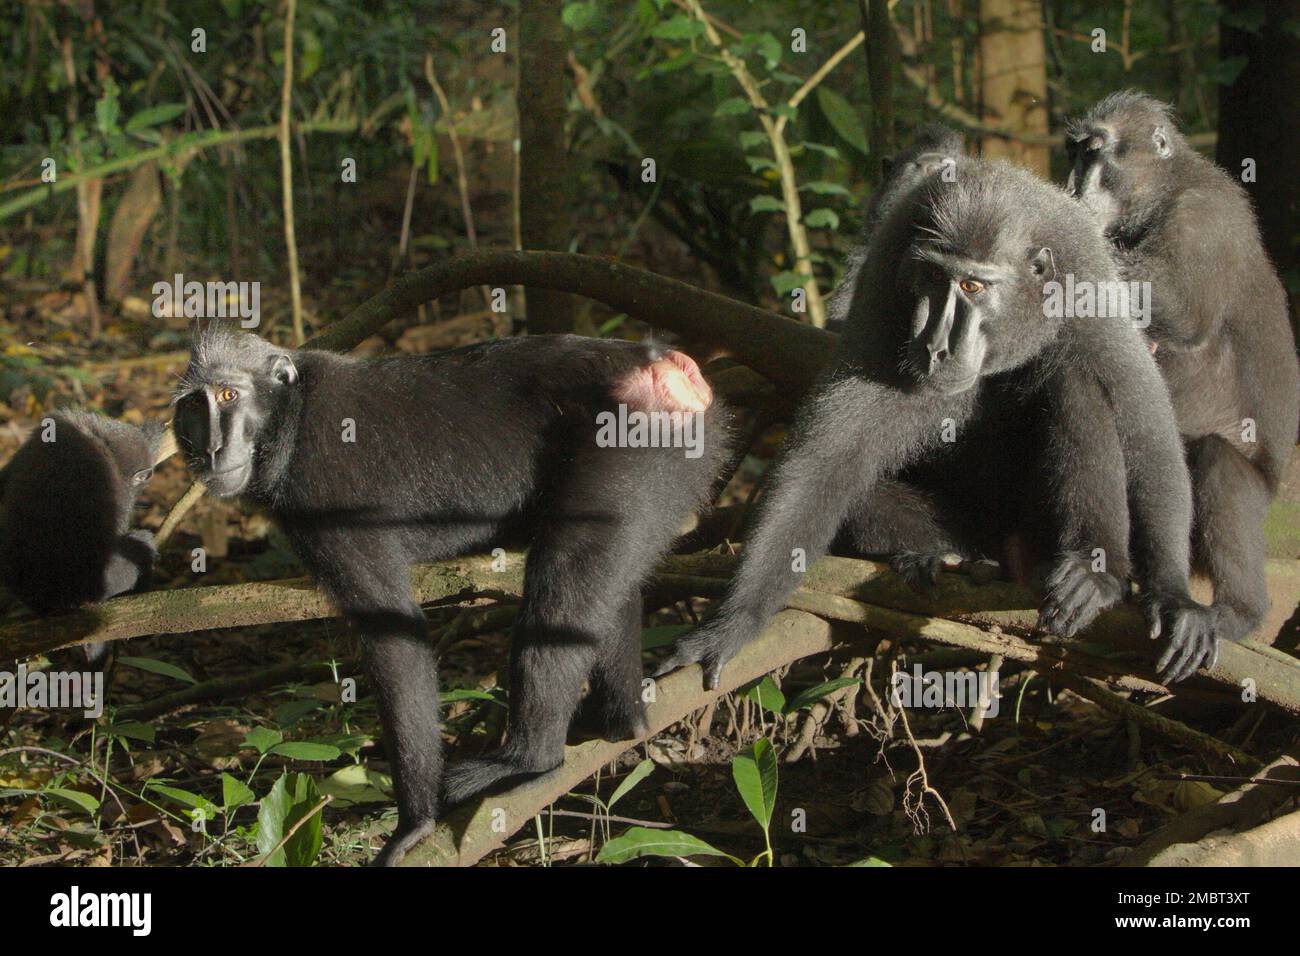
(823, 188)
(674, 63)
(610, 324)
(289, 713)
(203, 807)
(578, 16)
(769, 48)
(754, 771)
(83, 801)
(822, 219)
(680, 27)
(806, 698)
(662, 635)
(642, 841)
(736, 106)
(154, 116)
(292, 797)
(348, 744)
(107, 109)
(355, 784)
(766, 204)
(312, 51)
(759, 163)
(751, 138)
(262, 739)
(305, 750)
(235, 793)
(830, 151)
(639, 773)
(465, 693)
(843, 118)
(135, 730)
(765, 693)
(157, 667)
(869, 861)
(786, 282)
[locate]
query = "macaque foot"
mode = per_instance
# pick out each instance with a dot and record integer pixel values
(711, 645)
(402, 841)
(1193, 634)
(1075, 595)
(921, 569)
(610, 723)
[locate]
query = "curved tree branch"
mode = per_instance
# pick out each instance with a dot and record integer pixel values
(788, 352)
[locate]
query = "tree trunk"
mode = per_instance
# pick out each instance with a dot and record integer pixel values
(1013, 79)
(131, 220)
(544, 171)
(880, 47)
(1256, 123)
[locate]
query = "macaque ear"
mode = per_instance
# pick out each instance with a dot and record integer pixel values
(283, 370)
(1044, 264)
(1161, 140)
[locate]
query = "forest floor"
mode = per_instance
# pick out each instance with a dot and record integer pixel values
(1023, 789)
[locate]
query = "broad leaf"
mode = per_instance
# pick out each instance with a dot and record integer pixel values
(765, 693)
(235, 793)
(642, 841)
(754, 771)
(83, 801)
(305, 750)
(293, 796)
(262, 739)
(842, 117)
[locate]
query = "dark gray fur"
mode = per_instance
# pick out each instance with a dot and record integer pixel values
(1224, 343)
(933, 145)
(1075, 406)
(65, 510)
(457, 452)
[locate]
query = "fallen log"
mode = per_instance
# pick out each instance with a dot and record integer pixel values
(1268, 673)
(1244, 808)
(464, 836)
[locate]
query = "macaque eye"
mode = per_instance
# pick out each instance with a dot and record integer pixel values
(140, 477)
(226, 395)
(971, 286)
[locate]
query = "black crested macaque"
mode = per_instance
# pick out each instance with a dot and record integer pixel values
(933, 147)
(65, 509)
(1218, 324)
(371, 465)
(950, 338)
